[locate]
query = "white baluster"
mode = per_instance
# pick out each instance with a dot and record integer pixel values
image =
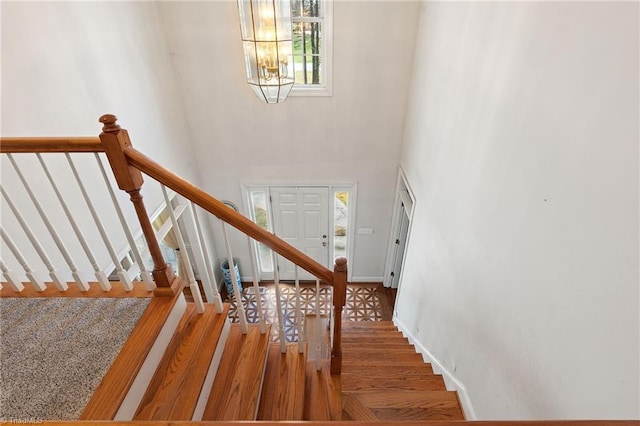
(276, 280)
(147, 278)
(100, 275)
(319, 331)
(59, 282)
(298, 313)
(11, 278)
(35, 280)
(256, 289)
(186, 262)
(80, 281)
(208, 278)
(234, 281)
(122, 274)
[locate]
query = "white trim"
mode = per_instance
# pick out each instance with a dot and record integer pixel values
(326, 56)
(137, 390)
(401, 185)
(365, 279)
(211, 373)
(350, 187)
(451, 381)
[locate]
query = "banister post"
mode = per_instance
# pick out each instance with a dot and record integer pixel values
(115, 141)
(339, 300)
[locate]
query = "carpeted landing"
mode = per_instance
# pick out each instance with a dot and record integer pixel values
(43, 375)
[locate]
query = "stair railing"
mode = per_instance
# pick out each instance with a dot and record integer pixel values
(128, 166)
(37, 185)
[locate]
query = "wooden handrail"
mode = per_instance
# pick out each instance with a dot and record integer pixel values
(115, 140)
(223, 212)
(127, 163)
(46, 145)
(11, 145)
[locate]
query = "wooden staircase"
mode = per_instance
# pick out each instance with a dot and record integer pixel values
(211, 371)
(184, 366)
(384, 379)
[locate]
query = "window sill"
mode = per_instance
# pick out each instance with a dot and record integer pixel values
(310, 91)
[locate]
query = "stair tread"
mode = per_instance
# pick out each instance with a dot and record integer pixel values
(184, 366)
(377, 346)
(284, 383)
(362, 326)
(410, 369)
(316, 333)
(354, 409)
(378, 335)
(449, 411)
(236, 389)
(377, 382)
(322, 393)
(405, 399)
(383, 357)
(368, 364)
(368, 324)
(349, 339)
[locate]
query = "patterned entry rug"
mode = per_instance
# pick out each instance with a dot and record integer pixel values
(364, 303)
(55, 351)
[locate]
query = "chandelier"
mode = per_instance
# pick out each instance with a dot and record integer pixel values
(267, 42)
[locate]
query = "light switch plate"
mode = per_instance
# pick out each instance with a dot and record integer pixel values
(365, 231)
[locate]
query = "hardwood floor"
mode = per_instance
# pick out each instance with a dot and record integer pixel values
(235, 395)
(139, 290)
(387, 380)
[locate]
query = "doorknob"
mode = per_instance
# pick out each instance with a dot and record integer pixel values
(324, 244)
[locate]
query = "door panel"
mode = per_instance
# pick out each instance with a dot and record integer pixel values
(401, 243)
(301, 218)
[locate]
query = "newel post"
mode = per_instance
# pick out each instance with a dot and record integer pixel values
(339, 300)
(116, 141)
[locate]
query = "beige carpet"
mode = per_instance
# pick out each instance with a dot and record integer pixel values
(55, 351)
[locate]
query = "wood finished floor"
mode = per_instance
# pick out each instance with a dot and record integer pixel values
(365, 302)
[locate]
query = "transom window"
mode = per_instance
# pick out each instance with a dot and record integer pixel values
(312, 29)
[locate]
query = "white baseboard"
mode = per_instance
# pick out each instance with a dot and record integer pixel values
(451, 382)
(211, 374)
(366, 279)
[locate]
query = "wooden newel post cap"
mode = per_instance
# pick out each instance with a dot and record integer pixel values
(109, 121)
(341, 264)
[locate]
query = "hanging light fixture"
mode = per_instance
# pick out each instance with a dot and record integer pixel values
(268, 47)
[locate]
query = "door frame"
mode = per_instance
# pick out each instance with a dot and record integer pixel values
(350, 187)
(404, 195)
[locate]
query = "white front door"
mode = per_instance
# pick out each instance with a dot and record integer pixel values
(301, 218)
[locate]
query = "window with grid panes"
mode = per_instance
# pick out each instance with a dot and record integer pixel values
(312, 46)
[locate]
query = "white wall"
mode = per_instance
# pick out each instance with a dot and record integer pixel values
(352, 137)
(521, 146)
(64, 64)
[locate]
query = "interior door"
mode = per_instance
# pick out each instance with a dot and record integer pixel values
(301, 218)
(401, 243)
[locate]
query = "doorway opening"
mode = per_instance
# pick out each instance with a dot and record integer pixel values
(400, 230)
(316, 219)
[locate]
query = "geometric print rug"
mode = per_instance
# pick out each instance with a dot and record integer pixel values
(362, 304)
